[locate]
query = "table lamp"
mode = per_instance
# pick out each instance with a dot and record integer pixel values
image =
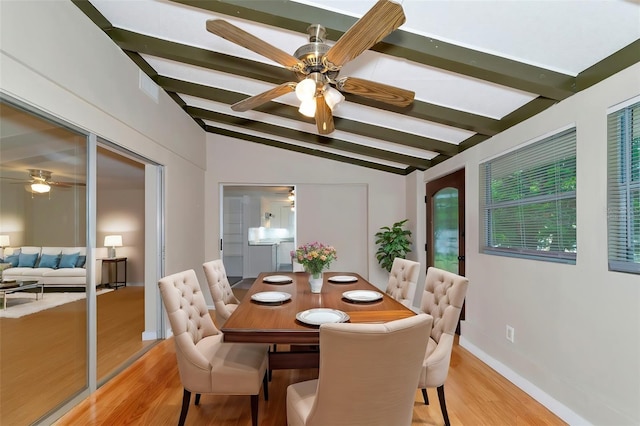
(113, 241)
(4, 242)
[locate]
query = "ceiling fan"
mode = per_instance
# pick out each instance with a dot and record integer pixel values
(40, 182)
(316, 65)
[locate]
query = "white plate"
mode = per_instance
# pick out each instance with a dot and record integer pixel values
(319, 316)
(277, 279)
(362, 295)
(343, 279)
(271, 297)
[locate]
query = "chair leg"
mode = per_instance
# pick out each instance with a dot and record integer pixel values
(443, 405)
(197, 399)
(265, 386)
(186, 398)
(425, 396)
(254, 410)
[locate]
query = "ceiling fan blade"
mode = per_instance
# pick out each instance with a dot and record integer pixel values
(376, 91)
(242, 38)
(12, 178)
(261, 98)
(381, 20)
(66, 184)
(324, 117)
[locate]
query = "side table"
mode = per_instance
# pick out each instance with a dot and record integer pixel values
(114, 282)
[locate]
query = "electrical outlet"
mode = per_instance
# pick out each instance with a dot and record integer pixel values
(510, 333)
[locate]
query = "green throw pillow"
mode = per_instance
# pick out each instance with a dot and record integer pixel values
(68, 260)
(27, 260)
(49, 261)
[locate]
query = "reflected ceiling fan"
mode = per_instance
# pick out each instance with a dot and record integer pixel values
(40, 182)
(316, 65)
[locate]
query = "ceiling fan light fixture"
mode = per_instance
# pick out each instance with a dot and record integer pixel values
(306, 89)
(333, 97)
(40, 188)
(308, 107)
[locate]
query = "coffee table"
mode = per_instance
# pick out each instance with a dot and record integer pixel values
(12, 287)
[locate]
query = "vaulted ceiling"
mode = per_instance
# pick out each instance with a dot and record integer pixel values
(476, 67)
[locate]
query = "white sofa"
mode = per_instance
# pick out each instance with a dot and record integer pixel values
(65, 275)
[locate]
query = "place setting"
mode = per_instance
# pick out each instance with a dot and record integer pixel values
(319, 316)
(277, 279)
(362, 296)
(343, 279)
(271, 297)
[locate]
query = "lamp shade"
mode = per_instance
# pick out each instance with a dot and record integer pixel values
(308, 108)
(306, 89)
(40, 188)
(113, 241)
(333, 97)
(5, 241)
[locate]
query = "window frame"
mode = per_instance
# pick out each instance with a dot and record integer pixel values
(543, 150)
(623, 231)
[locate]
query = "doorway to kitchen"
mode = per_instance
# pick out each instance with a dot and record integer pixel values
(258, 226)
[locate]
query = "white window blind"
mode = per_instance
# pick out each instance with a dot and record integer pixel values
(528, 200)
(623, 189)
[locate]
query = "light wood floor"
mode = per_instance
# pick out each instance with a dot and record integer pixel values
(43, 355)
(149, 393)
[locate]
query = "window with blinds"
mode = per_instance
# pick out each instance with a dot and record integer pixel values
(623, 189)
(528, 200)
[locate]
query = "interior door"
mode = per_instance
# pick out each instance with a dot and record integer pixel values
(445, 224)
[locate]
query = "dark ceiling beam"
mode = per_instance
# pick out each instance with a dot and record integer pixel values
(301, 136)
(428, 51)
(623, 58)
(308, 151)
(437, 114)
(289, 112)
(526, 111)
(140, 43)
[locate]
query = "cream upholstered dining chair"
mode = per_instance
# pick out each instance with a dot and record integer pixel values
(443, 296)
(403, 279)
(367, 375)
(224, 301)
(205, 363)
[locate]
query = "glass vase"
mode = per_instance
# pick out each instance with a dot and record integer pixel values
(315, 281)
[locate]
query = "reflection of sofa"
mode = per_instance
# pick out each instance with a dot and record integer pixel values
(51, 266)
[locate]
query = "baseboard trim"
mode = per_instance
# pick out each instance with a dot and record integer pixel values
(552, 404)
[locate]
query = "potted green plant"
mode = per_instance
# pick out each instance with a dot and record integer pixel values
(393, 242)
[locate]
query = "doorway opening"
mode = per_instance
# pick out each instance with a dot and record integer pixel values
(258, 228)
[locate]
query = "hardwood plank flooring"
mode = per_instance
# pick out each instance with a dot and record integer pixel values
(43, 355)
(149, 392)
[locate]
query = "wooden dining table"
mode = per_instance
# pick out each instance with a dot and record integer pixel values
(276, 323)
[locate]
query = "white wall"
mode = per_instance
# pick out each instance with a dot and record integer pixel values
(67, 67)
(54, 58)
(232, 161)
(577, 327)
(122, 212)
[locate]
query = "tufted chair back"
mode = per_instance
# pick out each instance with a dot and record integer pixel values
(224, 300)
(207, 364)
(403, 279)
(443, 296)
(367, 377)
(190, 321)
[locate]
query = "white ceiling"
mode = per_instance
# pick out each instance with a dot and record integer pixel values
(558, 36)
